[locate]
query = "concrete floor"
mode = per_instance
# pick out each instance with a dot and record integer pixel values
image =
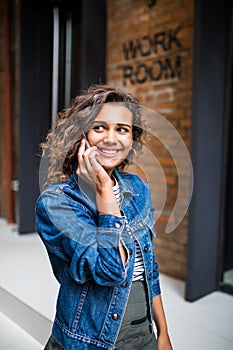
(28, 292)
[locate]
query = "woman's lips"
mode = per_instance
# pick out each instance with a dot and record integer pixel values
(108, 152)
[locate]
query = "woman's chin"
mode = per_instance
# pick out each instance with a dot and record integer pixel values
(109, 164)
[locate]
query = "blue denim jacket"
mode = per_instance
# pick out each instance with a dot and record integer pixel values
(83, 248)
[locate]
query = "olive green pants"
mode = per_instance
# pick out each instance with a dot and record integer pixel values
(53, 344)
(136, 333)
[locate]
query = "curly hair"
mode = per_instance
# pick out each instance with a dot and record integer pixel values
(62, 142)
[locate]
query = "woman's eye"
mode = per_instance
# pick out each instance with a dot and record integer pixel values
(98, 128)
(122, 129)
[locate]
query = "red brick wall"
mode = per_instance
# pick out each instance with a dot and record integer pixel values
(13, 8)
(149, 53)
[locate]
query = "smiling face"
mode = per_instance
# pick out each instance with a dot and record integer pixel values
(112, 134)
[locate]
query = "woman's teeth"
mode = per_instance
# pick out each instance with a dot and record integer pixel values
(107, 151)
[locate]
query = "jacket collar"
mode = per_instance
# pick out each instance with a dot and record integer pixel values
(125, 185)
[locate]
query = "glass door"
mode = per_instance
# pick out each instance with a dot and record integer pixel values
(66, 54)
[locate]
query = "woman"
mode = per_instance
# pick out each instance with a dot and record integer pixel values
(97, 224)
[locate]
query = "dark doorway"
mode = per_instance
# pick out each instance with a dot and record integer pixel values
(34, 102)
(48, 83)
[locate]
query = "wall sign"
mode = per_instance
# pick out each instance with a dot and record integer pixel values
(147, 58)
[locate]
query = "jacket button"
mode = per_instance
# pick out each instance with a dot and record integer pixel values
(150, 276)
(133, 222)
(114, 317)
(117, 224)
(130, 251)
(146, 249)
(124, 284)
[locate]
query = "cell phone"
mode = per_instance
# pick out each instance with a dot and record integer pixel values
(86, 140)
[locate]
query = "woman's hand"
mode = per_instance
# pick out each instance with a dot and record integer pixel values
(93, 174)
(90, 170)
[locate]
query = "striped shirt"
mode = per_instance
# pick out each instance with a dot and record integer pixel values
(138, 273)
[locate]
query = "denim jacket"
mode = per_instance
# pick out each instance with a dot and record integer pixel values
(83, 248)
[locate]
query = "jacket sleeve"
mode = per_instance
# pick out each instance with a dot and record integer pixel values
(156, 290)
(90, 249)
(155, 281)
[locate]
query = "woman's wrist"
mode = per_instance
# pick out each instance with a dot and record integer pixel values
(106, 193)
(164, 341)
(108, 208)
(115, 213)
(162, 332)
(106, 204)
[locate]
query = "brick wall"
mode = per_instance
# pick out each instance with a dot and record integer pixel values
(149, 53)
(12, 7)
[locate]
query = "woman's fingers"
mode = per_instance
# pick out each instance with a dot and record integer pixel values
(88, 166)
(89, 169)
(94, 162)
(81, 151)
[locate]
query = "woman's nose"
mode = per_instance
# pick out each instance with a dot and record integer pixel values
(110, 136)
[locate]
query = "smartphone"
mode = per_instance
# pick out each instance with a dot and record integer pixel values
(86, 140)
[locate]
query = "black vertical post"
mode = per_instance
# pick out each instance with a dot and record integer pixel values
(35, 96)
(226, 239)
(207, 147)
(93, 43)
